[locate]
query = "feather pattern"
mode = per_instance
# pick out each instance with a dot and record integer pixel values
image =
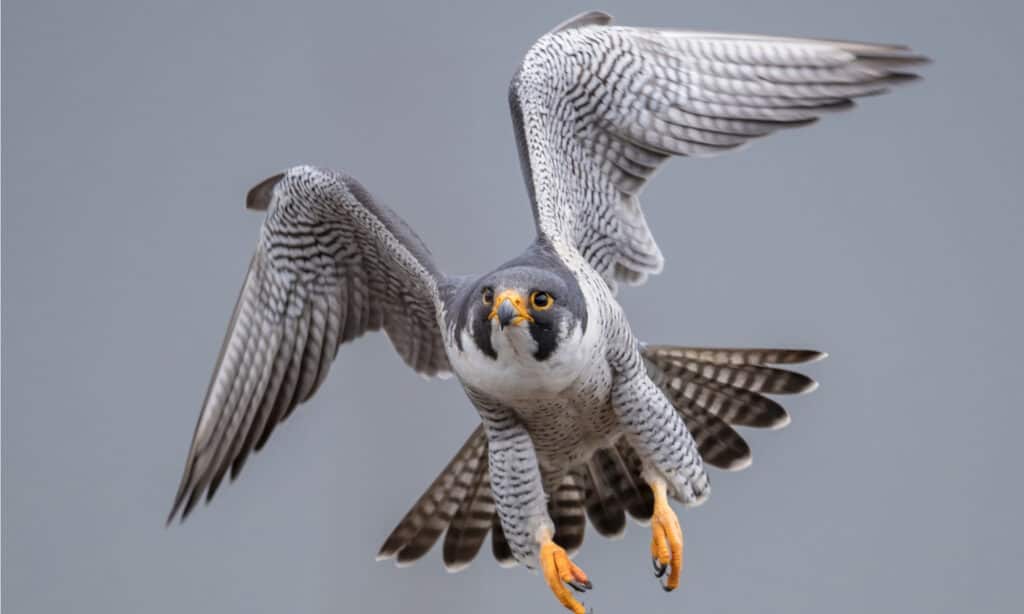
(625, 480)
(499, 545)
(566, 511)
(715, 389)
(434, 510)
(617, 470)
(598, 108)
(639, 500)
(472, 521)
(605, 510)
(331, 264)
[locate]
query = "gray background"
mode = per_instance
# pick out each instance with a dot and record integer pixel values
(131, 131)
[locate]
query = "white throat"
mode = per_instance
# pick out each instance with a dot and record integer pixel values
(515, 342)
(516, 374)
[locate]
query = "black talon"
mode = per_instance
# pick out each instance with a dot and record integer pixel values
(666, 588)
(581, 587)
(659, 568)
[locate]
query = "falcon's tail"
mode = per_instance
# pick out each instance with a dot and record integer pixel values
(460, 501)
(465, 478)
(715, 389)
(614, 487)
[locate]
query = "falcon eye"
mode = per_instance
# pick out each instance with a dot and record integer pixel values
(488, 296)
(541, 301)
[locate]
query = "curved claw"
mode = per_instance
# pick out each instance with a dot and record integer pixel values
(559, 571)
(659, 567)
(666, 539)
(580, 587)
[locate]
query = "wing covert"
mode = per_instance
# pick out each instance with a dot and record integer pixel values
(331, 264)
(597, 109)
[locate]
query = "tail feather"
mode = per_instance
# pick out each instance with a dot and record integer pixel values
(566, 511)
(433, 512)
(737, 407)
(499, 544)
(719, 445)
(752, 378)
(460, 500)
(732, 356)
(471, 523)
(604, 508)
(642, 509)
(627, 484)
(717, 388)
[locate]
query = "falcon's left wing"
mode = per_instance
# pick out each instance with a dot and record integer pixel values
(331, 264)
(598, 108)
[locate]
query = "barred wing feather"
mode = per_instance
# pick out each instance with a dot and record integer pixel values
(598, 108)
(331, 264)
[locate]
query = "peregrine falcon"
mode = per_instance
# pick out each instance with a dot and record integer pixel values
(579, 419)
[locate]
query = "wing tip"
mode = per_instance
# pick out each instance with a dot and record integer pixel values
(176, 509)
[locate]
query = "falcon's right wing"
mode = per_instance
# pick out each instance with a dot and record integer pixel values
(331, 264)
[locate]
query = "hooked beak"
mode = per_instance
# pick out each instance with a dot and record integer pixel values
(509, 308)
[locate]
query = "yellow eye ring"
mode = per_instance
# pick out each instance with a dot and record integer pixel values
(487, 296)
(541, 301)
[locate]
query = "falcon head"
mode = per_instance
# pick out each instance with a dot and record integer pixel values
(530, 311)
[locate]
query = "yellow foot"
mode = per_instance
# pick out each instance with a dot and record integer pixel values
(559, 571)
(666, 538)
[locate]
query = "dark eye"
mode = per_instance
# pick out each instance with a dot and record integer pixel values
(488, 296)
(541, 301)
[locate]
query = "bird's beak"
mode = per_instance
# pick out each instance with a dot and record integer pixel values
(510, 308)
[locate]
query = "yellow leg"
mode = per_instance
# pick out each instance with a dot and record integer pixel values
(558, 571)
(666, 538)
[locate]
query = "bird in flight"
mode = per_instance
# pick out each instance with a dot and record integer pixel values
(579, 418)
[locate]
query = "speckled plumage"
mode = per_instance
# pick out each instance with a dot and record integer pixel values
(577, 415)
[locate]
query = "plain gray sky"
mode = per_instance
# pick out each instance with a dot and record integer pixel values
(131, 131)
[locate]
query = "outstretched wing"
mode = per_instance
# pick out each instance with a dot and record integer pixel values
(597, 109)
(331, 264)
